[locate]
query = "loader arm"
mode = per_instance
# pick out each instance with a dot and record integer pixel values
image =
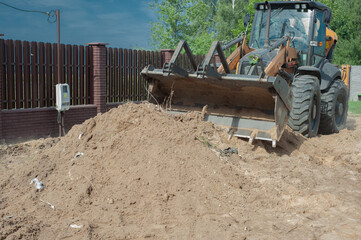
(286, 59)
(233, 59)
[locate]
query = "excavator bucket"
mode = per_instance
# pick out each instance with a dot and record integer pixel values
(248, 106)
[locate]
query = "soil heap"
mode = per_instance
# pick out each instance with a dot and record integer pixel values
(139, 173)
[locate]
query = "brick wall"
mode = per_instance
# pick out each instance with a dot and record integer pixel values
(41, 122)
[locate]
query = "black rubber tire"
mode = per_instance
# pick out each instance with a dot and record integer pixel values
(334, 110)
(306, 105)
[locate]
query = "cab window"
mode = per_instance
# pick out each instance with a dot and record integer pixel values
(319, 38)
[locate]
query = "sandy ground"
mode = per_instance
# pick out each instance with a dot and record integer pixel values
(145, 174)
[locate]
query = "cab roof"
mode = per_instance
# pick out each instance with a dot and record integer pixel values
(290, 4)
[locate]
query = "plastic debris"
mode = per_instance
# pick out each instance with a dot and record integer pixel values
(51, 205)
(8, 217)
(78, 154)
(80, 135)
(228, 151)
(76, 226)
(38, 184)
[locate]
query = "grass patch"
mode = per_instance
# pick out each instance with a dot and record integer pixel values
(354, 107)
(206, 142)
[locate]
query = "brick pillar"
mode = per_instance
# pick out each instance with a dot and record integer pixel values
(99, 74)
(216, 56)
(166, 54)
(1, 103)
(1, 100)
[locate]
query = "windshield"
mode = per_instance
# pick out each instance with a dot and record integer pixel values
(282, 22)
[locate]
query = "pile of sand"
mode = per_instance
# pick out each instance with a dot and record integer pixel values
(142, 173)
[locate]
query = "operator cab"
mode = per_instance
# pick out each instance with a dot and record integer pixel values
(296, 18)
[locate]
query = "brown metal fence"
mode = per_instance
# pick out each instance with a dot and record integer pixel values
(184, 62)
(124, 82)
(29, 73)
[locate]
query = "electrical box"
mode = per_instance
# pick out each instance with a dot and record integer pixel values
(62, 97)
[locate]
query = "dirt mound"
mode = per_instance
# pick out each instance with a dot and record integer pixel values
(136, 172)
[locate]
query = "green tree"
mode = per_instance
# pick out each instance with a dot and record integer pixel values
(171, 24)
(346, 23)
(188, 20)
(228, 14)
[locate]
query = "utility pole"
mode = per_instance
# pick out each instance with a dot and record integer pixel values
(60, 113)
(57, 13)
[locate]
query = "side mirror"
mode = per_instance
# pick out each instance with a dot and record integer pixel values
(327, 16)
(246, 19)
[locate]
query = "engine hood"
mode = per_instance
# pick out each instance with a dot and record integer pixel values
(256, 61)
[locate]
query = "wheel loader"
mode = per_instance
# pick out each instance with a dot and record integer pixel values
(283, 76)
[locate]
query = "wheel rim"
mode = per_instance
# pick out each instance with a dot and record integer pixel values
(339, 109)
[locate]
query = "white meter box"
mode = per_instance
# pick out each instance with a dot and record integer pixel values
(62, 97)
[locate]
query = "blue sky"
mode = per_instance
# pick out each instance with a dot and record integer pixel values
(121, 23)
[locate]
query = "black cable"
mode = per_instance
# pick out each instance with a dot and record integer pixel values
(50, 14)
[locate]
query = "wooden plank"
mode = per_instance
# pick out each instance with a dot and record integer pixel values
(48, 76)
(89, 76)
(19, 99)
(81, 81)
(131, 74)
(75, 73)
(79, 86)
(121, 75)
(159, 59)
(126, 69)
(184, 62)
(41, 74)
(153, 59)
(62, 63)
(140, 67)
(148, 59)
(27, 82)
(2, 74)
(135, 75)
(10, 73)
(110, 76)
(143, 82)
(69, 67)
(34, 74)
(55, 66)
(116, 75)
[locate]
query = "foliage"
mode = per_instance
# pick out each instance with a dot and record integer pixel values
(348, 51)
(346, 23)
(182, 20)
(227, 17)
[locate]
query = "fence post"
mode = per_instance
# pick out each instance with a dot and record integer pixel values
(166, 55)
(99, 74)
